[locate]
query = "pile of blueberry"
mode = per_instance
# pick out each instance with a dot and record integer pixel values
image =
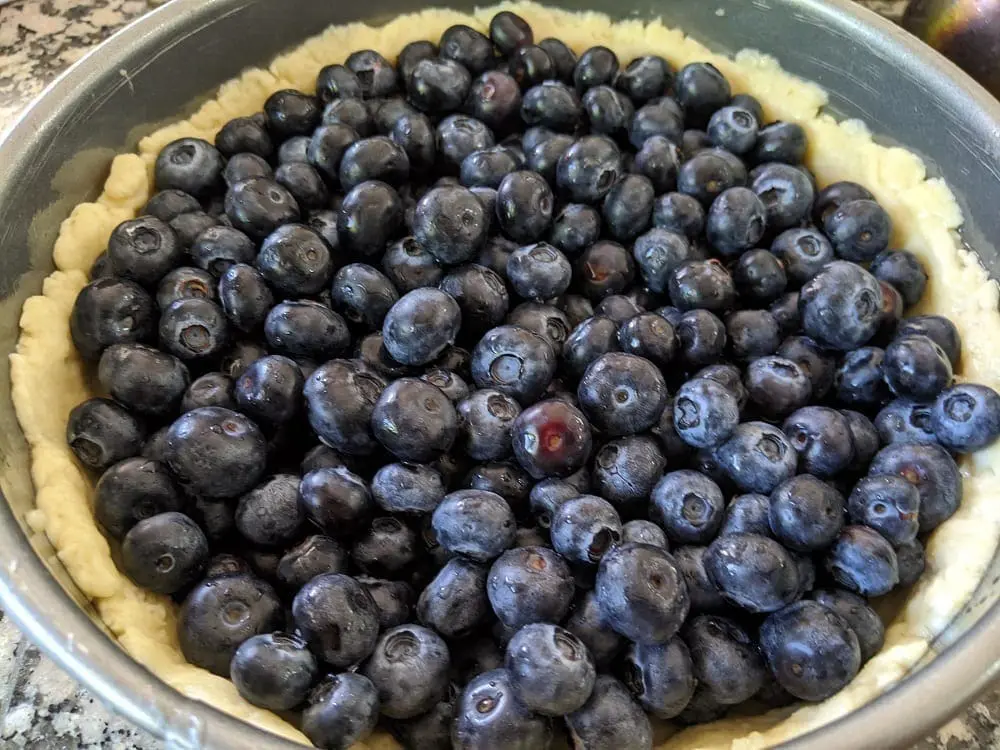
(389, 374)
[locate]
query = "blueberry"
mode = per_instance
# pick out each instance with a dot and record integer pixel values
(659, 118)
(817, 362)
(911, 561)
(188, 227)
(862, 561)
(779, 142)
(550, 669)
(188, 164)
(858, 230)
(787, 194)
(934, 473)
(363, 294)
(314, 555)
(273, 671)
(455, 602)
(604, 268)
(680, 213)
(270, 514)
(350, 112)
(409, 668)
(701, 709)
(702, 591)
(327, 146)
(524, 208)
(437, 85)
(145, 380)
(777, 386)
(529, 584)
(589, 169)
(705, 413)
(822, 437)
(211, 389)
(143, 250)
(810, 649)
(647, 335)
(803, 251)
(609, 112)
(502, 478)
(610, 718)
(489, 715)
(474, 523)
(752, 334)
(221, 613)
(660, 676)
(644, 532)
(752, 571)
(590, 339)
(338, 618)
(563, 58)
(166, 205)
(904, 271)
(641, 592)
(551, 438)
(658, 159)
(294, 150)
(219, 247)
(194, 329)
(785, 310)
(225, 564)
(375, 73)
(342, 710)
(622, 394)
(111, 311)
(182, 283)
(937, 328)
(758, 457)
(966, 417)
(245, 297)
(337, 82)
(702, 284)
(450, 223)
(291, 113)
(509, 32)
(408, 266)
(736, 221)
(340, 396)
(864, 437)
(530, 65)
(916, 367)
(861, 618)
(132, 490)
(688, 506)
(485, 420)
(514, 361)
(242, 167)
(702, 338)
(833, 196)
(554, 105)
(708, 173)
(584, 528)
(759, 277)
(468, 47)
(806, 514)
(644, 78)
(628, 206)
(335, 499)
(488, 167)
(701, 89)
(414, 420)
(100, 433)
(375, 158)
(889, 504)
(303, 328)
(858, 380)
(544, 157)
(728, 376)
(164, 553)
(421, 325)
(734, 129)
(457, 136)
(258, 206)
(625, 471)
(891, 312)
(905, 421)
(270, 391)
(725, 661)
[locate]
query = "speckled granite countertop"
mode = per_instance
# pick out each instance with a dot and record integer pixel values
(41, 708)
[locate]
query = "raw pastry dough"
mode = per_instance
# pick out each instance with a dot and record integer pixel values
(49, 379)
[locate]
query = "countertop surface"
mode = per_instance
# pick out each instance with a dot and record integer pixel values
(40, 707)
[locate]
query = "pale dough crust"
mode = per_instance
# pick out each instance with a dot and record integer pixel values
(49, 379)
